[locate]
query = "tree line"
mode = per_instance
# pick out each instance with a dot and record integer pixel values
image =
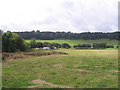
(94, 46)
(34, 44)
(68, 35)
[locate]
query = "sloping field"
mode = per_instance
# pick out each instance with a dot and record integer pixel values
(74, 42)
(78, 69)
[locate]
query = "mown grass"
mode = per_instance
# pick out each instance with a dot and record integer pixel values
(75, 42)
(79, 69)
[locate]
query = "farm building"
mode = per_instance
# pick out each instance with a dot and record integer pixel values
(46, 48)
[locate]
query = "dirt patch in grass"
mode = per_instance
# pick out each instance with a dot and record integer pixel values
(58, 66)
(84, 65)
(81, 71)
(11, 56)
(115, 71)
(95, 67)
(42, 83)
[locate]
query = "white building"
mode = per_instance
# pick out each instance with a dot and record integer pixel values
(54, 47)
(46, 48)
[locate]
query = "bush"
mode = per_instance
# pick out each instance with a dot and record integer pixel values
(39, 45)
(110, 46)
(32, 43)
(65, 45)
(82, 46)
(117, 46)
(99, 45)
(57, 45)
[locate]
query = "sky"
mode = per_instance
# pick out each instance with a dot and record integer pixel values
(59, 15)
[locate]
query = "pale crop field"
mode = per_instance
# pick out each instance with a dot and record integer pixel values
(79, 69)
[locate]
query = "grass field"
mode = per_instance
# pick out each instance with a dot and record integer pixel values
(75, 42)
(78, 69)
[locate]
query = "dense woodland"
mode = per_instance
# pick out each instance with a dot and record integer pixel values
(68, 35)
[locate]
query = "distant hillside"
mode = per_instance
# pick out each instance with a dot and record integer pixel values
(68, 35)
(75, 42)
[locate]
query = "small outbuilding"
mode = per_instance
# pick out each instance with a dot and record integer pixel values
(46, 48)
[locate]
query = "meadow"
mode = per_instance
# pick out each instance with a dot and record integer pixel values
(79, 69)
(75, 42)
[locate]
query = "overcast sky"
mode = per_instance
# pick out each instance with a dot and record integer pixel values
(59, 15)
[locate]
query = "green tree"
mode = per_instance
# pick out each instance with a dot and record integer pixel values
(99, 45)
(12, 42)
(65, 45)
(33, 43)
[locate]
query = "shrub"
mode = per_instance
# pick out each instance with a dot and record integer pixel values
(117, 46)
(39, 45)
(65, 45)
(110, 46)
(99, 45)
(82, 46)
(33, 43)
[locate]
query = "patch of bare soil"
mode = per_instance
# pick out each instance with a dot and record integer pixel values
(57, 65)
(81, 71)
(84, 65)
(115, 71)
(96, 67)
(41, 83)
(11, 56)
